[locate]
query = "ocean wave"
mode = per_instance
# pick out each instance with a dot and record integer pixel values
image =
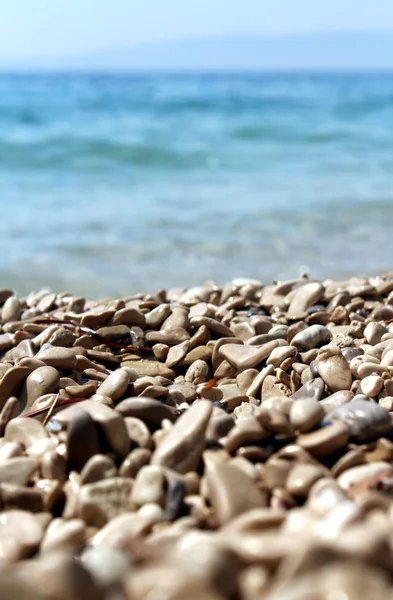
(96, 153)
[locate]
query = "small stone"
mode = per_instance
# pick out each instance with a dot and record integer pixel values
(181, 449)
(18, 470)
(305, 296)
(150, 411)
(11, 310)
(149, 486)
(25, 431)
(334, 370)
(305, 414)
(364, 477)
(312, 337)
(97, 468)
(302, 477)
(153, 368)
(20, 535)
(82, 440)
(64, 535)
(44, 380)
(244, 356)
(110, 421)
(230, 491)
(100, 502)
(115, 385)
(107, 566)
(57, 357)
(312, 389)
(325, 441)
(177, 353)
(372, 385)
(365, 419)
(174, 502)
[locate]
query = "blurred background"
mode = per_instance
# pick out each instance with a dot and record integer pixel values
(162, 144)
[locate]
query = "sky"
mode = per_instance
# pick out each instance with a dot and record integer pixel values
(45, 28)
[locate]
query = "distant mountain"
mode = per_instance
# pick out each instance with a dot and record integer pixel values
(324, 51)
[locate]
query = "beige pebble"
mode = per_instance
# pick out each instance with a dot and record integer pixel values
(115, 385)
(197, 373)
(302, 477)
(326, 440)
(18, 470)
(181, 449)
(177, 353)
(372, 385)
(60, 358)
(109, 420)
(11, 310)
(304, 297)
(334, 370)
(100, 502)
(20, 535)
(149, 486)
(305, 414)
(246, 357)
(97, 468)
(44, 380)
(145, 366)
(138, 432)
(64, 535)
(367, 474)
(25, 431)
(230, 491)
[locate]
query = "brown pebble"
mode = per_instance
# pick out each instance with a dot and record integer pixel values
(325, 441)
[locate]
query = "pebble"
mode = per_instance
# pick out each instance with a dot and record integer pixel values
(181, 449)
(110, 421)
(44, 380)
(230, 491)
(304, 414)
(311, 337)
(107, 566)
(25, 431)
(246, 357)
(20, 535)
(365, 419)
(334, 370)
(325, 441)
(149, 486)
(115, 385)
(60, 358)
(82, 440)
(101, 501)
(372, 385)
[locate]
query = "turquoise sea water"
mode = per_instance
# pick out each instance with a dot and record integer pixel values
(121, 183)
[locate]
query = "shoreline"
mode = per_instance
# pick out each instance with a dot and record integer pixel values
(214, 442)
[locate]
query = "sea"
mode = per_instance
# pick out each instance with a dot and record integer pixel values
(112, 184)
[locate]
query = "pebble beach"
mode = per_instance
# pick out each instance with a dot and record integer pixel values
(217, 442)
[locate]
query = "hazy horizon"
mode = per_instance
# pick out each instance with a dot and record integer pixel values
(336, 50)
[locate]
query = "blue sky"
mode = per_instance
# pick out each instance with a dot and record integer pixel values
(62, 27)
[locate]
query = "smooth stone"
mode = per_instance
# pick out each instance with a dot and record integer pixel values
(181, 449)
(132, 464)
(18, 470)
(325, 441)
(149, 486)
(122, 531)
(11, 310)
(82, 440)
(365, 419)
(150, 411)
(115, 385)
(14, 496)
(12, 382)
(44, 380)
(246, 431)
(110, 421)
(212, 324)
(100, 502)
(174, 501)
(177, 353)
(107, 566)
(171, 336)
(374, 332)
(138, 432)
(280, 354)
(337, 399)
(230, 491)
(25, 431)
(334, 370)
(302, 477)
(312, 389)
(60, 358)
(197, 372)
(311, 337)
(304, 414)
(244, 356)
(305, 296)
(372, 385)
(364, 477)
(152, 368)
(20, 535)
(97, 468)
(157, 316)
(130, 317)
(64, 535)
